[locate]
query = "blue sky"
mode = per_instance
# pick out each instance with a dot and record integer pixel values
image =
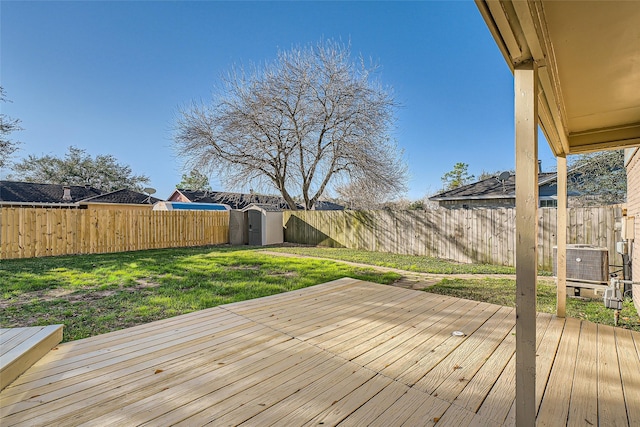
(109, 77)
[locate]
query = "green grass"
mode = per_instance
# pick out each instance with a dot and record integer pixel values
(420, 264)
(503, 291)
(493, 290)
(94, 294)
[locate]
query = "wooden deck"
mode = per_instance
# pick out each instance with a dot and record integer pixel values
(22, 347)
(346, 352)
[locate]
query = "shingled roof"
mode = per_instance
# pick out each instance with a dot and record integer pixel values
(15, 192)
(29, 192)
(241, 200)
(324, 205)
(123, 196)
(234, 200)
(490, 188)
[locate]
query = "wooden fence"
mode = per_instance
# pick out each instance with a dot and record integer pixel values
(36, 232)
(464, 235)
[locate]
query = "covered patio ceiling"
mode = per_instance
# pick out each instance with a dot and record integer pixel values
(588, 58)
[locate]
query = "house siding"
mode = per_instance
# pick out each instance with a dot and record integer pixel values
(633, 210)
(177, 197)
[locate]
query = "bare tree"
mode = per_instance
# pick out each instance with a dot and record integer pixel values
(358, 195)
(7, 126)
(311, 119)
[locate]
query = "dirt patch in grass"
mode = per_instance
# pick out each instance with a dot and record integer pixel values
(95, 294)
(142, 284)
(74, 296)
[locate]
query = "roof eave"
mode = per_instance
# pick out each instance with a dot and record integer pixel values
(40, 204)
(519, 29)
(90, 202)
(496, 197)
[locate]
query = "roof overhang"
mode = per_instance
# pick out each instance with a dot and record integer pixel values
(588, 59)
(463, 198)
(94, 203)
(38, 204)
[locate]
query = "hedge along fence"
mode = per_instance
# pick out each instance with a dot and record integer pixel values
(36, 232)
(464, 235)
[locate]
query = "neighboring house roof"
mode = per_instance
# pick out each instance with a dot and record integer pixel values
(490, 188)
(15, 192)
(241, 200)
(123, 196)
(263, 206)
(29, 192)
(323, 205)
(234, 200)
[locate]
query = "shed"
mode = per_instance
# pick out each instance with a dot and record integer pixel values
(265, 224)
(238, 229)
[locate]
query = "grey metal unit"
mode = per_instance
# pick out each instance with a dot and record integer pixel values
(585, 263)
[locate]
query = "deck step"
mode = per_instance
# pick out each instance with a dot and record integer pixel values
(22, 347)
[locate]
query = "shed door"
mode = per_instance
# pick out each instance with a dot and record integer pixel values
(255, 228)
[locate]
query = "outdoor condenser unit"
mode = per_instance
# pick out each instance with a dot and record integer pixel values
(585, 262)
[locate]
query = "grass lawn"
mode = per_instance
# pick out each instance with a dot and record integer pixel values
(495, 291)
(94, 294)
(503, 292)
(419, 264)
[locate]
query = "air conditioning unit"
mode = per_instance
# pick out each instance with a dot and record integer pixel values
(584, 262)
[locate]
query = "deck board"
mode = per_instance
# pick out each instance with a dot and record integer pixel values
(555, 408)
(611, 405)
(583, 406)
(21, 348)
(249, 402)
(343, 353)
(629, 371)
(78, 373)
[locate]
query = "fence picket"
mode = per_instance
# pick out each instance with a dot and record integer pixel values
(32, 232)
(477, 235)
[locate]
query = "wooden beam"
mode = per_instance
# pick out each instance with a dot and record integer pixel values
(561, 235)
(504, 27)
(603, 139)
(554, 118)
(526, 129)
(483, 7)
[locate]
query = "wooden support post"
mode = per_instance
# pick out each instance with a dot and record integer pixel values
(526, 127)
(561, 235)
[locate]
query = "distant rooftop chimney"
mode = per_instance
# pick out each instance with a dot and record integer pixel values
(66, 196)
(539, 166)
